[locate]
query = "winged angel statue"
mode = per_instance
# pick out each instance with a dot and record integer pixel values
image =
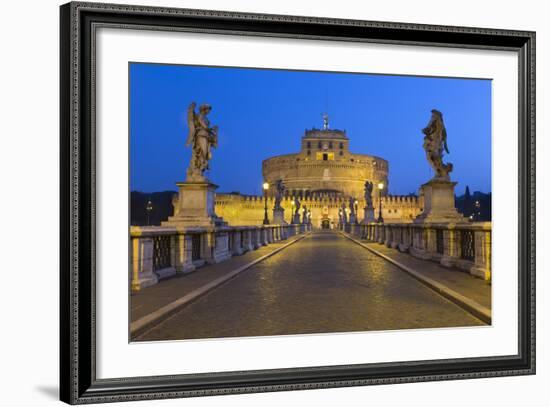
(201, 138)
(435, 142)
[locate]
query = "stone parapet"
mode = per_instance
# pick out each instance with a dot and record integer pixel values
(466, 246)
(162, 252)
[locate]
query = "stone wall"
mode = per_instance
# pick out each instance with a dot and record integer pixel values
(240, 210)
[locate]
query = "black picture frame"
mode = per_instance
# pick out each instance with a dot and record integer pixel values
(78, 382)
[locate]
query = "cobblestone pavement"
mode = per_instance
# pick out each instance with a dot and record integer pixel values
(324, 283)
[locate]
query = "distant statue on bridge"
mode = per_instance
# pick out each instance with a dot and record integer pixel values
(279, 193)
(202, 138)
(368, 193)
(297, 205)
(344, 214)
(304, 215)
(352, 205)
(435, 142)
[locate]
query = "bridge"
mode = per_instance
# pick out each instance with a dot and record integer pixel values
(289, 279)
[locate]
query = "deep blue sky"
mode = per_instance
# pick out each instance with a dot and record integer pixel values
(261, 113)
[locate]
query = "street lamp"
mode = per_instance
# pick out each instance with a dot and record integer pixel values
(380, 188)
(266, 219)
(356, 213)
(149, 209)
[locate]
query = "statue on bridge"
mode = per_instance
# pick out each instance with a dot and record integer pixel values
(351, 205)
(279, 193)
(369, 207)
(296, 215)
(304, 215)
(368, 193)
(344, 214)
(435, 142)
(194, 205)
(297, 205)
(201, 138)
(439, 196)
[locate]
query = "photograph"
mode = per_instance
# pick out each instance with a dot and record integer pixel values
(267, 202)
(259, 202)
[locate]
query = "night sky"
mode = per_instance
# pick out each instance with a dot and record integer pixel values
(262, 113)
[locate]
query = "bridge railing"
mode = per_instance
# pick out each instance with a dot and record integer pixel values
(465, 246)
(161, 252)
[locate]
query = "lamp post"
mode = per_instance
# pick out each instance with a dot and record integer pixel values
(477, 213)
(149, 209)
(356, 213)
(380, 188)
(266, 219)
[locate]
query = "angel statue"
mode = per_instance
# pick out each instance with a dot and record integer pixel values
(279, 192)
(435, 141)
(368, 193)
(344, 214)
(304, 215)
(201, 138)
(297, 205)
(352, 205)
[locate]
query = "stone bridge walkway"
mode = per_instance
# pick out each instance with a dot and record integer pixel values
(322, 283)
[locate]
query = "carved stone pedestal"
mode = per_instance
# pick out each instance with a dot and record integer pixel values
(279, 216)
(195, 206)
(296, 219)
(439, 203)
(369, 215)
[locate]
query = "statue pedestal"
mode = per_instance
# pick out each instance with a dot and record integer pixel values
(369, 215)
(279, 216)
(296, 219)
(195, 206)
(439, 203)
(352, 218)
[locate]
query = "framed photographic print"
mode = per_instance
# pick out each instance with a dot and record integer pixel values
(256, 203)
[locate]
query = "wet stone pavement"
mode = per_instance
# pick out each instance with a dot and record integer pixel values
(324, 283)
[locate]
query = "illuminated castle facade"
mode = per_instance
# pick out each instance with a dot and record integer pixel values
(326, 178)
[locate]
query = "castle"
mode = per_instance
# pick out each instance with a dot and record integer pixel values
(326, 178)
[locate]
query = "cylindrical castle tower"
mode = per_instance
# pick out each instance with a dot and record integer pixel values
(326, 167)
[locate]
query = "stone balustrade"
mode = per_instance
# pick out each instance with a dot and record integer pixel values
(465, 246)
(162, 252)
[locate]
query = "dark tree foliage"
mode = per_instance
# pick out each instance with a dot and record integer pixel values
(161, 203)
(477, 206)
